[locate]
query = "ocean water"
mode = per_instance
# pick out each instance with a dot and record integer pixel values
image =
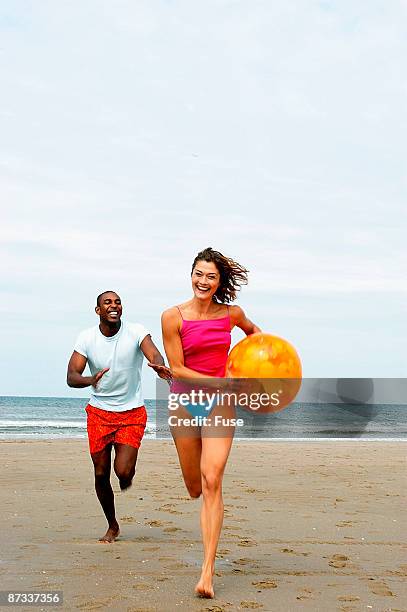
(60, 417)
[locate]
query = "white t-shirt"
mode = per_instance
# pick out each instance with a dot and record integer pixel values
(119, 389)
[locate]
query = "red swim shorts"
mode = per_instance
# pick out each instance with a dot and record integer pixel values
(105, 427)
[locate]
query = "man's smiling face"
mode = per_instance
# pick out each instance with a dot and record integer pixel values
(109, 308)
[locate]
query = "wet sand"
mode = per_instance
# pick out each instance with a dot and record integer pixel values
(308, 526)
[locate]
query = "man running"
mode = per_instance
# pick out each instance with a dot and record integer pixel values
(116, 415)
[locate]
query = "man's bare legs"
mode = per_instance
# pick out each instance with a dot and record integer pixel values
(102, 464)
(124, 466)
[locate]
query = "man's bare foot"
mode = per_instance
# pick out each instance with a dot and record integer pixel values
(204, 588)
(111, 535)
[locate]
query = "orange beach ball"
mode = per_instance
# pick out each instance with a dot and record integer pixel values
(271, 360)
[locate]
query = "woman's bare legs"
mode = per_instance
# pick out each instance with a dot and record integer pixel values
(215, 452)
(203, 454)
(189, 455)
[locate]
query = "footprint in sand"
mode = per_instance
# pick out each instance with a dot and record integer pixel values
(402, 571)
(293, 552)
(265, 584)
(142, 586)
(250, 604)
(127, 519)
(177, 565)
(243, 561)
(155, 523)
(246, 542)
(348, 598)
(344, 524)
(95, 604)
(172, 529)
(379, 588)
(305, 593)
(338, 561)
(168, 508)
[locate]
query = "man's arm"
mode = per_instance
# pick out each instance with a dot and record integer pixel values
(76, 366)
(154, 358)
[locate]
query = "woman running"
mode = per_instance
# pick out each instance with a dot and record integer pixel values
(196, 337)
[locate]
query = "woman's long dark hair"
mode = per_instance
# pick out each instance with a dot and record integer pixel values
(232, 274)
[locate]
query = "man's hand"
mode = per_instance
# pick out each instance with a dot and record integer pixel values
(98, 376)
(161, 370)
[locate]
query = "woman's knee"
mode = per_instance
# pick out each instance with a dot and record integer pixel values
(194, 489)
(211, 481)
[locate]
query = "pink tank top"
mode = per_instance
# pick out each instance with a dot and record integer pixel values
(206, 344)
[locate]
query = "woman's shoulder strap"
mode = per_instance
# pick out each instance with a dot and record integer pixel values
(179, 310)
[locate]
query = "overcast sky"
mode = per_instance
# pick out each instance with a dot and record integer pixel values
(135, 133)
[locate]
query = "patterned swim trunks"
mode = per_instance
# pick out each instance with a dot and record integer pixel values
(105, 427)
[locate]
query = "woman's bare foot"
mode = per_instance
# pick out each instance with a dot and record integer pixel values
(111, 534)
(204, 588)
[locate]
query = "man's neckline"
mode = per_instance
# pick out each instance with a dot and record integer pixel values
(113, 335)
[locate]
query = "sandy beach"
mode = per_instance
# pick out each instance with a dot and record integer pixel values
(308, 526)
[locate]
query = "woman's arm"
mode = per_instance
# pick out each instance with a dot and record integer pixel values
(239, 319)
(173, 347)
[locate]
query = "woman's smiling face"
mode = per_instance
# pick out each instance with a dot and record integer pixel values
(205, 280)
